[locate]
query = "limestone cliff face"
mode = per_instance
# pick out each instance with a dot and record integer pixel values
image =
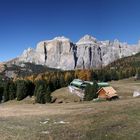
(88, 52)
(57, 53)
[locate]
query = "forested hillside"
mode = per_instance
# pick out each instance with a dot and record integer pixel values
(44, 81)
(127, 62)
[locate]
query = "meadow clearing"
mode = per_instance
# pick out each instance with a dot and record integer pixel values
(107, 120)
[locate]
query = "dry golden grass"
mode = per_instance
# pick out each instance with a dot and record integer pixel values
(117, 120)
(125, 88)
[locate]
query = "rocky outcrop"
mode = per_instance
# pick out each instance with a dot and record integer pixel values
(88, 52)
(2, 67)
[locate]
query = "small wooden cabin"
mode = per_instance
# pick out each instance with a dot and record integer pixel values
(108, 93)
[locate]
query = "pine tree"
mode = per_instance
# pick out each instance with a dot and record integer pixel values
(31, 88)
(138, 73)
(91, 91)
(6, 91)
(12, 91)
(37, 84)
(48, 95)
(68, 78)
(55, 82)
(95, 76)
(43, 92)
(1, 93)
(120, 74)
(115, 75)
(41, 95)
(62, 81)
(22, 90)
(107, 77)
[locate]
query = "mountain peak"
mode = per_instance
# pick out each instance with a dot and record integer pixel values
(87, 39)
(61, 38)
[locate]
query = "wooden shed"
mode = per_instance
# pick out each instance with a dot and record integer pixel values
(108, 93)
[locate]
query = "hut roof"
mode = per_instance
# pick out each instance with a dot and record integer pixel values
(77, 82)
(103, 84)
(109, 91)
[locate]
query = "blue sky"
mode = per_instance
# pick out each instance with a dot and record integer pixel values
(23, 23)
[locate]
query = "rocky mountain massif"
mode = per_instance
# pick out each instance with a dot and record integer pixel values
(88, 52)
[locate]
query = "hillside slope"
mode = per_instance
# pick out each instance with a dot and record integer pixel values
(9, 70)
(63, 95)
(127, 62)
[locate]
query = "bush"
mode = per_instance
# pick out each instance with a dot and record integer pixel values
(91, 91)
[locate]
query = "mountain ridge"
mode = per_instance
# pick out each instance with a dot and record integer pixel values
(88, 52)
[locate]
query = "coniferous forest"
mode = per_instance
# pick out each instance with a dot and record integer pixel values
(42, 85)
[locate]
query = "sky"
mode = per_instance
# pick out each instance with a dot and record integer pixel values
(23, 23)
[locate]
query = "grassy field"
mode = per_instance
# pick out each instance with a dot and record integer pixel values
(125, 88)
(115, 120)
